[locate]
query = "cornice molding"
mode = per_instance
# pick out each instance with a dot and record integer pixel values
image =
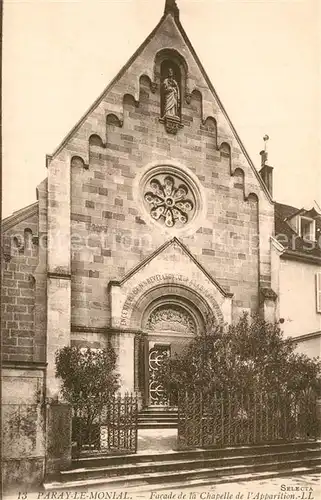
(102, 95)
(24, 365)
(306, 336)
(277, 244)
(59, 275)
(160, 249)
(301, 257)
(105, 330)
(19, 216)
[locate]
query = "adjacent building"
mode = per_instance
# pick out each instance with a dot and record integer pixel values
(296, 275)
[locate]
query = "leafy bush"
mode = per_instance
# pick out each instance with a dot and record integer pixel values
(88, 383)
(88, 375)
(250, 355)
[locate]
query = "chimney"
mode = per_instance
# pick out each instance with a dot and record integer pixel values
(266, 171)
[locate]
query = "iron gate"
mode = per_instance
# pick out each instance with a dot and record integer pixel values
(112, 428)
(225, 419)
(157, 355)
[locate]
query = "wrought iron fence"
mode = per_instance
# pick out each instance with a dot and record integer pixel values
(109, 428)
(225, 419)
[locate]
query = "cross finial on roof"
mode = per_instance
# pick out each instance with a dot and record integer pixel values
(171, 8)
(264, 153)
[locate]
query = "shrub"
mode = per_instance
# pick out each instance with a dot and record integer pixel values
(88, 382)
(250, 355)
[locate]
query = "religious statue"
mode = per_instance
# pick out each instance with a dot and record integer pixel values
(171, 95)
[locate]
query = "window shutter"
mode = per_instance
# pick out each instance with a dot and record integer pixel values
(318, 291)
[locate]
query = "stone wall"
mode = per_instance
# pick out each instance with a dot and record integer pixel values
(107, 152)
(23, 426)
(20, 245)
(114, 232)
(23, 326)
(111, 233)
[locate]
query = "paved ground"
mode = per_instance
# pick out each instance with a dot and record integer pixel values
(152, 441)
(304, 487)
(299, 487)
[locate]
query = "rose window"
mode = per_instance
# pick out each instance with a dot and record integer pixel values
(169, 200)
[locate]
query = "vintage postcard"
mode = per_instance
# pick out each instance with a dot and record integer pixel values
(161, 250)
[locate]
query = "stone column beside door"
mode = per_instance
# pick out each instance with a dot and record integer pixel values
(125, 361)
(59, 421)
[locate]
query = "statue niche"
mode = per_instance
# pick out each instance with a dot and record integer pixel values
(171, 96)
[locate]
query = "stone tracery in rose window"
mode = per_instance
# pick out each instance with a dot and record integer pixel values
(170, 200)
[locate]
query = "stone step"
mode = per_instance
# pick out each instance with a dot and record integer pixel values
(179, 477)
(171, 409)
(157, 425)
(157, 415)
(237, 478)
(165, 409)
(170, 465)
(200, 453)
(151, 416)
(158, 421)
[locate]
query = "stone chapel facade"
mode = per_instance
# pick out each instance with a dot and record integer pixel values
(152, 222)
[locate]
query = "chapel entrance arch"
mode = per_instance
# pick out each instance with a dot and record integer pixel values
(168, 322)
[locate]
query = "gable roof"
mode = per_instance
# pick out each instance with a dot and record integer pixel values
(19, 216)
(158, 251)
(109, 87)
(298, 248)
(170, 10)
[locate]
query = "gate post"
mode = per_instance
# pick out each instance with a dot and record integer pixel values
(58, 430)
(125, 361)
(318, 415)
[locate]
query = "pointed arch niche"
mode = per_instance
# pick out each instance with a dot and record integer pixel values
(166, 60)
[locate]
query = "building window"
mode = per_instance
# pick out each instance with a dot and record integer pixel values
(318, 292)
(169, 200)
(169, 196)
(307, 228)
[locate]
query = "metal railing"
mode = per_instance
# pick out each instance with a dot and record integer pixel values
(110, 428)
(225, 419)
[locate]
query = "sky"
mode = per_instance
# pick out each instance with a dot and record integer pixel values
(262, 56)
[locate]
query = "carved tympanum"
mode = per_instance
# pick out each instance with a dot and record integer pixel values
(171, 318)
(170, 200)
